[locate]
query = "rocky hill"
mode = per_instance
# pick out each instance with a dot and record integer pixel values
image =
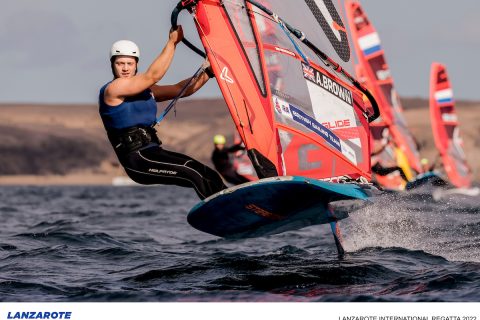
(69, 140)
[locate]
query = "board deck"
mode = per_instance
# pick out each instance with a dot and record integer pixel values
(272, 205)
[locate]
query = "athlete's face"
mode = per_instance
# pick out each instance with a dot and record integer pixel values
(125, 66)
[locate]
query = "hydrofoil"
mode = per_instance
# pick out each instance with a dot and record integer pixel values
(274, 205)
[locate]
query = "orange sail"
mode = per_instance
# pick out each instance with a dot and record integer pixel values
(380, 136)
(371, 56)
(445, 128)
(295, 116)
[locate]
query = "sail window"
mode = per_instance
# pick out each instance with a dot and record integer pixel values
(242, 25)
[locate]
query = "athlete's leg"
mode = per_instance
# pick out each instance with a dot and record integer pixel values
(233, 177)
(241, 178)
(402, 174)
(156, 165)
(382, 171)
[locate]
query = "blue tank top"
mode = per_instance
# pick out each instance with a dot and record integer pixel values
(138, 110)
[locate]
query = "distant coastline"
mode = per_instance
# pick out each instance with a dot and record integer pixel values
(66, 144)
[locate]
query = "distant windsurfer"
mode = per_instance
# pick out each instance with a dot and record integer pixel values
(377, 167)
(128, 109)
(426, 167)
(222, 162)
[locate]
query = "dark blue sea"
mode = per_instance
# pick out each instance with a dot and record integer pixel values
(131, 244)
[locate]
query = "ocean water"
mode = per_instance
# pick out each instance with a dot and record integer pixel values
(75, 244)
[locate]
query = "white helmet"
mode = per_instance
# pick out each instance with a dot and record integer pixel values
(125, 48)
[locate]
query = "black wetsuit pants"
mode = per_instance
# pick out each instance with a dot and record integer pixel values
(382, 171)
(155, 165)
(233, 177)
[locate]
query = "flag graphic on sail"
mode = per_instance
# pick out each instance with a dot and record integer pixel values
(371, 56)
(294, 116)
(445, 128)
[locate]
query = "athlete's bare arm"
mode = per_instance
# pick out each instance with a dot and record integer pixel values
(123, 87)
(168, 92)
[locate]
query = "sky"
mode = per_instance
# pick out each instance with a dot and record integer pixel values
(56, 51)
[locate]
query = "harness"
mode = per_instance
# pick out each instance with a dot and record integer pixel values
(132, 139)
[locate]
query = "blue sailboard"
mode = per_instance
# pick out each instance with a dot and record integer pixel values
(427, 180)
(272, 205)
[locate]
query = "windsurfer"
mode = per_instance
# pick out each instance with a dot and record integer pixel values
(128, 108)
(222, 162)
(377, 167)
(425, 165)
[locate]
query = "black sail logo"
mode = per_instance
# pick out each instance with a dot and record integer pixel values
(360, 19)
(340, 45)
(441, 76)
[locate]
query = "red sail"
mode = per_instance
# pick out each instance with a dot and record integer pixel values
(294, 116)
(372, 58)
(445, 128)
(380, 136)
